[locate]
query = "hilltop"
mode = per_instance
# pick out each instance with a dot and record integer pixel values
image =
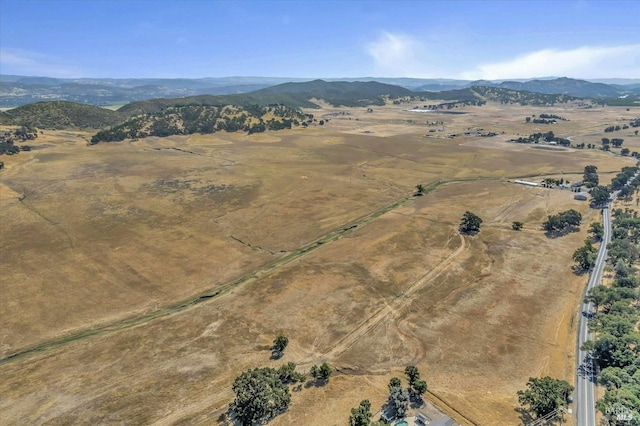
(356, 93)
(568, 86)
(61, 115)
(204, 119)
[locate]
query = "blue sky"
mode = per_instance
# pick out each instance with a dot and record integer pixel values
(332, 39)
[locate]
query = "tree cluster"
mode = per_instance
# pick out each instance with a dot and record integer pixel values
(590, 177)
(9, 137)
(616, 348)
(204, 119)
(545, 395)
(263, 393)
(547, 137)
(417, 386)
(321, 373)
(470, 223)
(597, 230)
(398, 400)
(260, 396)
(623, 178)
(585, 256)
(361, 416)
(563, 222)
(600, 196)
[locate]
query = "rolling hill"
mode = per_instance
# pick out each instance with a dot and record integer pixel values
(565, 86)
(356, 93)
(20, 90)
(61, 115)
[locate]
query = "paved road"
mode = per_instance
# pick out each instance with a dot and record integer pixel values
(585, 402)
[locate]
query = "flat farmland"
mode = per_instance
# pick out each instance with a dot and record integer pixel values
(93, 236)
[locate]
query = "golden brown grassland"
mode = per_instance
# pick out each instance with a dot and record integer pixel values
(92, 236)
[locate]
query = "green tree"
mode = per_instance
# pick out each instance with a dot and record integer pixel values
(597, 230)
(394, 383)
(420, 189)
(398, 401)
(280, 343)
(600, 195)
(517, 226)
(598, 295)
(544, 395)
(470, 223)
(563, 221)
(585, 256)
(590, 177)
(412, 374)
(260, 396)
(419, 388)
(361, 416)
(322, 372)
(288, 374)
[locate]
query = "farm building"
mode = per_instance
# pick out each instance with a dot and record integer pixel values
(582, 196)
(524, 182)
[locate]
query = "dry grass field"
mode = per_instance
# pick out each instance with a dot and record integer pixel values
(112, 237)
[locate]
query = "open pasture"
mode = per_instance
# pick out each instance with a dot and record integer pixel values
(94, 235)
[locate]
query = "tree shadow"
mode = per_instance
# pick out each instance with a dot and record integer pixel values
(561, 232)
(525, 416)
(416, 402)
(579, 271)
(317, 383)
(275, 354)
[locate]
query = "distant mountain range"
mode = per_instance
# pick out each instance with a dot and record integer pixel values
(21, 90)
(65, 114)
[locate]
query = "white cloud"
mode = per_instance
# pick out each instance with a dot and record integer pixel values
(24, 62)
(583, 62)
(394, 53)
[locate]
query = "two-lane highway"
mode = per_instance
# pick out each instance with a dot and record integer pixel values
(585, 381)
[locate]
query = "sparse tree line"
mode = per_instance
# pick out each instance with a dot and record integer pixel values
(546, 137)
(204, 119)
(616, 348)
(545, 119)
(585, 256)
(397, 402)
(264, 393)
(611, 129)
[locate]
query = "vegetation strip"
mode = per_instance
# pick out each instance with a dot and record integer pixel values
(225, 288)
(211, 294)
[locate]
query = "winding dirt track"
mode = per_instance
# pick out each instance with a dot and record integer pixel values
(394, 308)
